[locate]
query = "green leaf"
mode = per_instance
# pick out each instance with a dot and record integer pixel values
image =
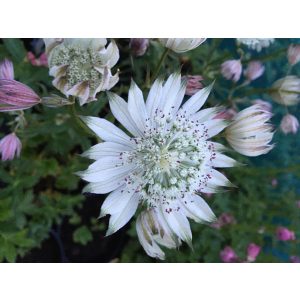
(16, 49)
(82, 235)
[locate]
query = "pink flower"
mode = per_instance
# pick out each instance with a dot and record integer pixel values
(226, 114)
(283, 234)
(298, 203)
(228, 255)
(41, 61)
(293, 54)
(289, 124)
(295, 259)
(252, 252)
(193, 84)
(139, 46)
(15, 95)
(10, 146)
(6, 69)
(254, 70)
(224, 219)
(267, 106)
(232, 69)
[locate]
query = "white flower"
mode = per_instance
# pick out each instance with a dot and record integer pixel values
(249, 133)
(286, 90)
(256, 44)
(163, 165)
(181, 45)
(82, 67)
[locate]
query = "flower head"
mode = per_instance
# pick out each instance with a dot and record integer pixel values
(41, 61)
(10, 146)
(256, 44)
(289, 124)
(181, 45)
(165, 162)
(82, 67)
(286, 90)
(283, 234)
(232, 69)
(249, 133)
(228, 255)
(15, 95)
(194, 84)
(6, 69)
(139, 46)
(252, 252)
(293, 54)
(254, 70)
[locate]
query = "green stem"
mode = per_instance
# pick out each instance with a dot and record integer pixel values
(158, 67)
(78, 121)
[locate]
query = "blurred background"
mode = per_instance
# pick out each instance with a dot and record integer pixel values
(44, 217)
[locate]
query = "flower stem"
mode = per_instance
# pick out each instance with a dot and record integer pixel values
(158, 67)
(78, 121)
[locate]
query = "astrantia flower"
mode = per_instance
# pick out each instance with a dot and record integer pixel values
(256, 44)
(249, 133)
(163, 165)
(10, 147)
(82, 67)
(181, 45)
(286, 90)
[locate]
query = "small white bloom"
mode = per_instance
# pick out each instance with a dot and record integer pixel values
(249, 133)
(256, 44)
(286, 90)
(82, 67)
(181, 45)
(289, 124)
(163, 164)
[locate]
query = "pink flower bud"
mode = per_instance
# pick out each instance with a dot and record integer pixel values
(252, 252)
(264, 105)
(15, 95)
(193, 84)
(10, 146)
(223, 220)
(293, 54)
(295, 259)
(274, 182)
(41, 61)
(254, 70)
(232, 69)
(283, 234)
(139, 46)
(289, 124)
(6, 69)
(228, 255)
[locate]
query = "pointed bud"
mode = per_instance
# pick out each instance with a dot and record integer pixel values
(15, 95)
(293, 54)
(232, 69)
(254, 70)
(6, 69)
(10, 147)
(55, 101)
(139, 46)
(289, 124)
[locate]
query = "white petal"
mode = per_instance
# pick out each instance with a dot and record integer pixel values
(223, 161)
(119, 109)
(198, 209)
(107, 131)
(206, 114)
(197, 100)
(218, 179)
(137, 107)
(214, 127)
(120, 217)
(154, 97)
(105, 149)
(81, 90)
(179, 224)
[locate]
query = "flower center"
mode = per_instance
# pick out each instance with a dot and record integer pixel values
(80, 64)
(170, 162)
